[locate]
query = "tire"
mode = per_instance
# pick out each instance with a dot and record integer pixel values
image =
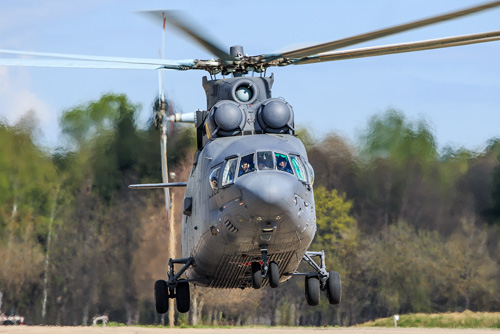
(312, 290)
(182, 297)
(161, 296)
(256, 275)
(334, 288)
(274, 275)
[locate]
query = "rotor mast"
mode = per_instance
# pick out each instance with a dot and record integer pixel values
(237, 52)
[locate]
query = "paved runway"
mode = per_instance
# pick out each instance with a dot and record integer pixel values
(236, 330)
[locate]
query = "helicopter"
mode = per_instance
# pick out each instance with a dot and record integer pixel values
(248, 210)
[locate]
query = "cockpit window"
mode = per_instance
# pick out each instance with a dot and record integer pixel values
(265, 160)
(247, 164)
(282, 163)
(214, 178)
(298, 167)
(229, 172)
(311, 173)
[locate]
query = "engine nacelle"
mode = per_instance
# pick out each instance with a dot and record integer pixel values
(275, 116)
(242, 106)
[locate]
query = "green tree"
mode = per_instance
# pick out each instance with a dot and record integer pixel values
(472, 272)
(391, 136)
(399, 168)
(333, 217)
(400, 266)
(28, 183)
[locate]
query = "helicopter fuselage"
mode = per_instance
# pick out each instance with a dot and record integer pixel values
(246, 193)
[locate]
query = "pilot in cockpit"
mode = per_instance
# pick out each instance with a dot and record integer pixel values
(246, 165)
(283, 164)
(244, 168)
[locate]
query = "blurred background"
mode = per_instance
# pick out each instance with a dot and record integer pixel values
(405, 151)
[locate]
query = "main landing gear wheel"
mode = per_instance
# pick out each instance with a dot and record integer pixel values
(182, 297)
(333, 288)
(274, 275)
(256, 275)
(161, 296)
(312, 290)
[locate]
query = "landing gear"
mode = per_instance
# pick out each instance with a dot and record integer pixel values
(320, 280)
(175, 288)
(312, 290)
(274, 275)
(161, 296)
(333, 288)
(256, 275)
(182, 297)
(270, 271)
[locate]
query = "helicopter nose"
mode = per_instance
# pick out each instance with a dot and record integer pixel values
(267, 194)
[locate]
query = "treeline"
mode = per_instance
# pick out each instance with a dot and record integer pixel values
(75, 241)
(410, 228)
(425, 229)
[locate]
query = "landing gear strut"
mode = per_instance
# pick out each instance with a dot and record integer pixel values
(175, 287)
(320, 280)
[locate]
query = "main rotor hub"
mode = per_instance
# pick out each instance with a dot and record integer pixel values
(236, 51)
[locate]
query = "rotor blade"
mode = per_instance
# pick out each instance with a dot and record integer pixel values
(401, 48)
(158, 185)
(161, 77)
(135, 63)
(74, 64)
(341, 43)
(175, 18)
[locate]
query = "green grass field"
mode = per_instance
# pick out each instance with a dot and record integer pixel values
(467, 319)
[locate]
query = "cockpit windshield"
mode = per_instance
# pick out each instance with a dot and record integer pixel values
(247, 164)
(265, 160)
(268, 161)
(282, 163)
(229, 171)
(298, 167)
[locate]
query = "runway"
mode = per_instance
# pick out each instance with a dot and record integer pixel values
(237, 330)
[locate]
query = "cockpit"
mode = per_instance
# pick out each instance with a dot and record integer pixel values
(262, 161)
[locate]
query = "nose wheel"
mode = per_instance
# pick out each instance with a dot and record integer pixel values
(256, 275)
(260, 272)
(274, 275)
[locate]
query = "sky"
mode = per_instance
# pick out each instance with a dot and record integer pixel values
(456, 90)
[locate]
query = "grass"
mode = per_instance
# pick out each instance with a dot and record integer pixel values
(119, 324)
(467, 319)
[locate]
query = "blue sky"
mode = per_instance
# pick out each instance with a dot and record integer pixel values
(456, 90)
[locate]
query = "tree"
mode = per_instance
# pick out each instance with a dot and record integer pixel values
(28, 184)
(472, 272)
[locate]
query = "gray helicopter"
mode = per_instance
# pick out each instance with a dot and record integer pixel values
(248, 212)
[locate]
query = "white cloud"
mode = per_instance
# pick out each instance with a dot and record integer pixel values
(16, 99)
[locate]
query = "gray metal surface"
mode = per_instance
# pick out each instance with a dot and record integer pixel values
(240, 212)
